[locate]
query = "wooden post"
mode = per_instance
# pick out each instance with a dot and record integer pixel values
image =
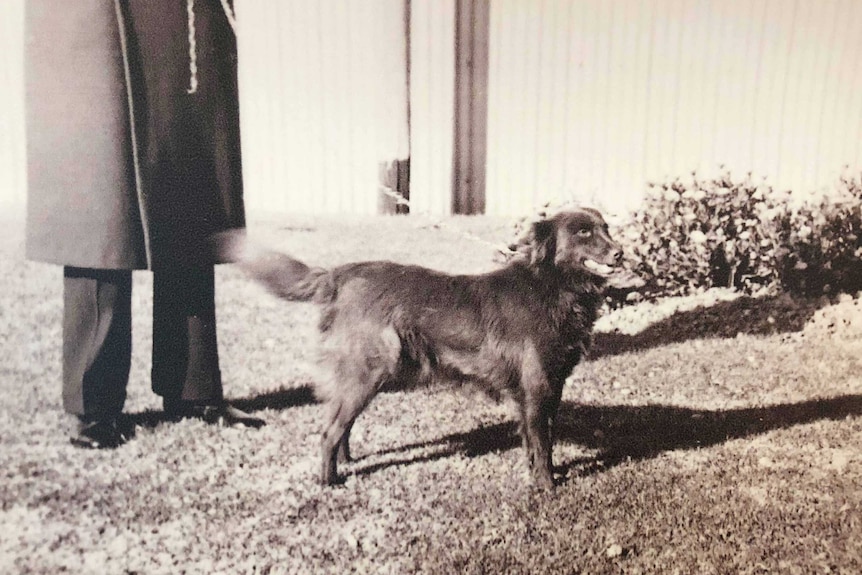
(394, 178)
(472, 32)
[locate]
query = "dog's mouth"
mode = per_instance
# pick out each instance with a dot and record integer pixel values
(598, 268)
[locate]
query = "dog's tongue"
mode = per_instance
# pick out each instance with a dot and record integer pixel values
(600, 269)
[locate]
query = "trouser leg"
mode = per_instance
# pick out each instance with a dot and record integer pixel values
(185, 348)
(97, 341)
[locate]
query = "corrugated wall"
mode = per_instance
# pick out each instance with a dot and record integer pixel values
(589, 98)
(323, 102)
(323, 89)
(432, 104)
(12, 171)
(593, 98)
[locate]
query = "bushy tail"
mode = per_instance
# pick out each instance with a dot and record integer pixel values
(284, 276)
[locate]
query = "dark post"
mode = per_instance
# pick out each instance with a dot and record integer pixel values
(472, 31)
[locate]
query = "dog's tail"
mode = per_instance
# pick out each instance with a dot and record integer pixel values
(284, 276)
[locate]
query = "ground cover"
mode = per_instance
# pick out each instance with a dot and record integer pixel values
(717, 440)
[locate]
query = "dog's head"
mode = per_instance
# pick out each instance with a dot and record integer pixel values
(575, 241)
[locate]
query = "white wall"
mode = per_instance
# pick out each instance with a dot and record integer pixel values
(12, 171)
(587, 98)
(593, 98)
(432, 105)
(323, 101)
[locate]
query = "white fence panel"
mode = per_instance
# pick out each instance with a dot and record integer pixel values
(432, 105)
(323, 89)
(592, 98)
(12, 145)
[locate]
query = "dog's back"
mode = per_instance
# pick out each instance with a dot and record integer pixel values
(463, 327)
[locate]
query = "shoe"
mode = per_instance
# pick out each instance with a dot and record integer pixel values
(221, 414)
(98, 434)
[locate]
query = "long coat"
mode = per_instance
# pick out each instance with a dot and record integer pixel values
(129, 167)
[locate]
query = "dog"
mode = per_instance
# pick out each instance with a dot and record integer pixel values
(517, 331)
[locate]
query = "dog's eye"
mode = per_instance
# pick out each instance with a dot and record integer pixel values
(585, 232)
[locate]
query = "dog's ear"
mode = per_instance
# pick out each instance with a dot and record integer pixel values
(543, 242)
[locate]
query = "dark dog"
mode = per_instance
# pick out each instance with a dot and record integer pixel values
(517, 331)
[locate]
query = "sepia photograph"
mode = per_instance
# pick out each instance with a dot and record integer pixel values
(431, 286)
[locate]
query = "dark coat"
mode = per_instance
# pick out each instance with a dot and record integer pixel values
(126, 169)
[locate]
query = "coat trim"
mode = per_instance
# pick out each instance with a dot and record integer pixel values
(136, 162)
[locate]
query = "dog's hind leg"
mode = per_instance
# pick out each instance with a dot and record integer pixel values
(343, 412)
(364, 359)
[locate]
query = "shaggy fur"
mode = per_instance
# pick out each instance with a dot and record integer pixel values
(516, 331)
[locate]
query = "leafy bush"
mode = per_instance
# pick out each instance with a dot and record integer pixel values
(700, 233)
(693, 234)
(820, 244)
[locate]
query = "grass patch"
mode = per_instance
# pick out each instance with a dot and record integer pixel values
(717, 441)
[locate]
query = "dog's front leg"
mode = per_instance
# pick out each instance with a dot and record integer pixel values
(539, 401)
(551, 409)
(537, 437)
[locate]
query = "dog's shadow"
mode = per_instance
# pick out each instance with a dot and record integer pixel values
(617, 432)
(622, 433)
(748, 315)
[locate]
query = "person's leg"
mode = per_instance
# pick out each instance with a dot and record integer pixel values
(186, 369)
(185, 348)
(97, 347)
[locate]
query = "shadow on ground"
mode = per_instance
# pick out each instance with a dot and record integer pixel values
(747, 315)
(280, 399)
(623, 432)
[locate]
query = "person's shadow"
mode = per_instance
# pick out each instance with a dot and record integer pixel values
(279, 400)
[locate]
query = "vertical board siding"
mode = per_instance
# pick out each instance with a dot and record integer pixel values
(323, 89)
(592, 99)
(12, 144)
(432, 105)
(587, 99)
(323, 102)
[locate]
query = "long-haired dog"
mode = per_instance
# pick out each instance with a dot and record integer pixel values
(516, 331)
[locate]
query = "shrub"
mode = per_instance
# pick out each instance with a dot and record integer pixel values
(820, 243)
(694, 234)
(700, 233)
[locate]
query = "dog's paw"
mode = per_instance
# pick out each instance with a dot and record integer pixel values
(544, 481)
(335, 481)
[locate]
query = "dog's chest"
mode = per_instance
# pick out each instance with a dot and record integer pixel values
(572, 330)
